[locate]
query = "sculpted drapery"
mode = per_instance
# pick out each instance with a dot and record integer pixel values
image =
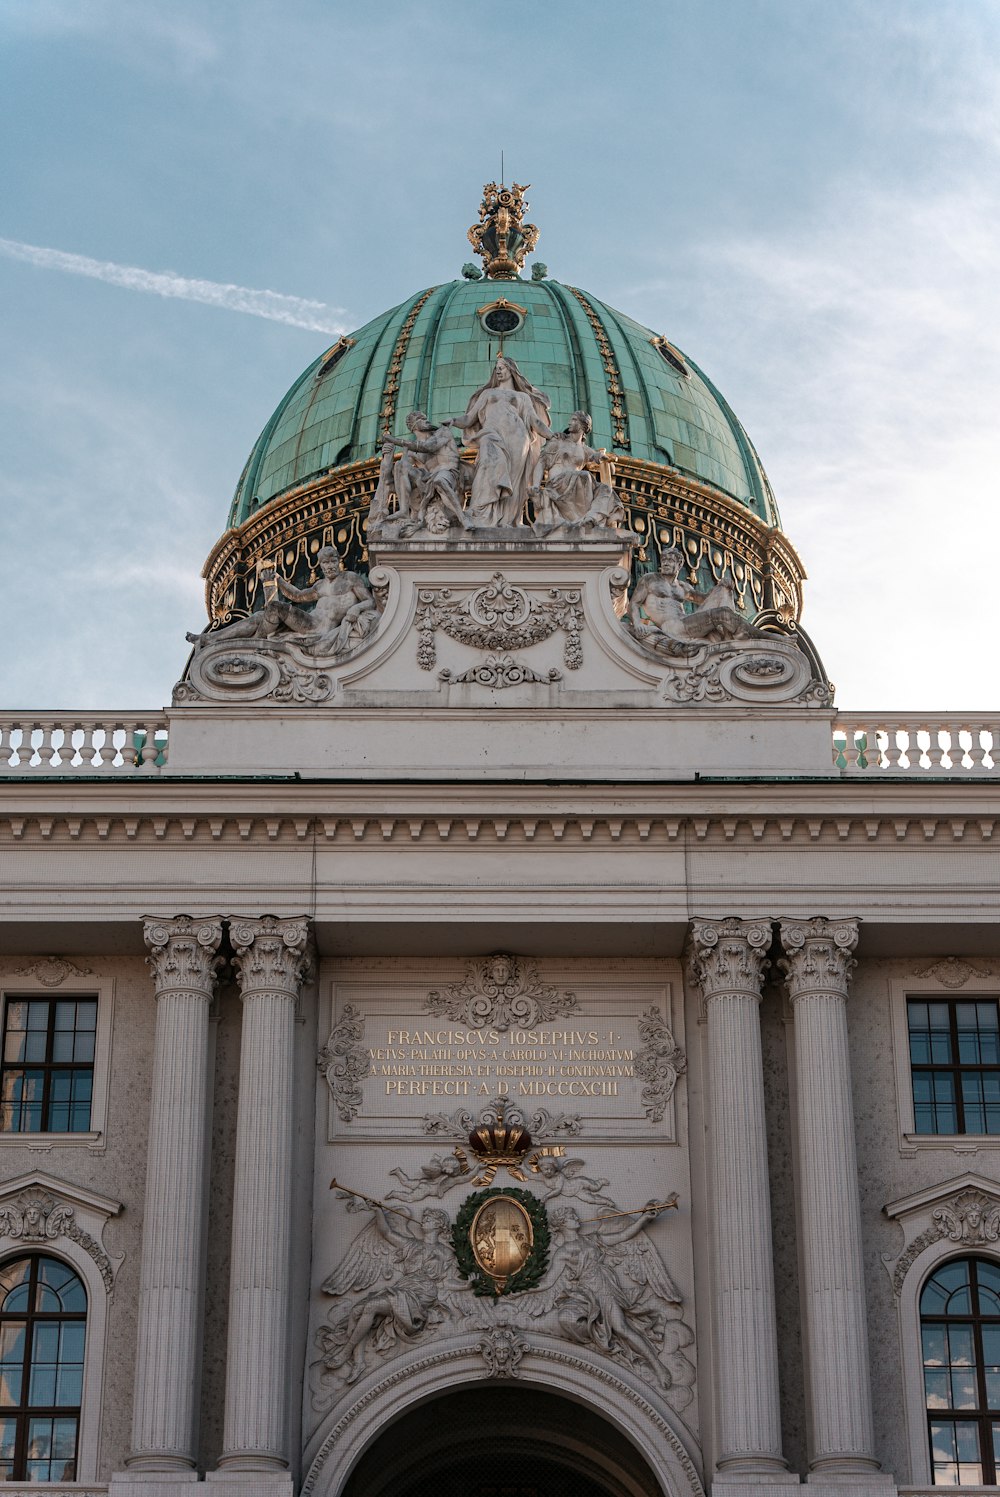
(506, 420)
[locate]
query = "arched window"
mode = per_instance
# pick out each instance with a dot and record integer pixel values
(960, 1333)
(43, 1323)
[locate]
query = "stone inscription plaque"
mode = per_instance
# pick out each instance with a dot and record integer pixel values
(610, 1059)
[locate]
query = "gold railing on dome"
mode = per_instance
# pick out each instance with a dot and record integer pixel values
(721, 540)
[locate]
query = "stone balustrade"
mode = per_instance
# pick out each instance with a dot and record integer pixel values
(881, 743)
(863, 743)
(82, 743)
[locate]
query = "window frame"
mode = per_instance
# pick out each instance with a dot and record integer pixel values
(931, 989)
(983, 1417)
(28, 986)
(24, 1412)
(955, 1068)
(66, 1250)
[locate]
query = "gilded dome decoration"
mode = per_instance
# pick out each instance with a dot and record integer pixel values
(501, 238)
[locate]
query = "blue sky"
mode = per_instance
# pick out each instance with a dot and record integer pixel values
(805, 196)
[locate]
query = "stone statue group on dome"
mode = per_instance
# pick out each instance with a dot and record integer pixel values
(518, 459)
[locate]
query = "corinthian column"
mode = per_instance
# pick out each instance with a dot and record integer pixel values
(183, 955)
(272, 960)
(818, 962)
(727, 960)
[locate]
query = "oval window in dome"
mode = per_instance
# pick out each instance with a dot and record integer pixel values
(671, 355)
(501, 318)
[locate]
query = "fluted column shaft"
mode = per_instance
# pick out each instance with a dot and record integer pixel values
(183, 955)
(728, 961)
(271, 958)
(818, 962)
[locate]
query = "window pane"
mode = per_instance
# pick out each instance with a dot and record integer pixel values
(62, 1045)
(942, 1285)
(83, 1046)
(69, 1386)
(61, 1279)
(939, 1023)
(935, 1337)
(960, 1346)
(937, 1388)
(13, 1045)
(963, 1390)
(8, 1438)
(988, 1279)
(972, 1097)
(989, 1033)
(42, 1385)
(11, 1363)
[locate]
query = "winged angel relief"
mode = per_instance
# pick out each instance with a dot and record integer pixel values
(605, 1289)
(397, 1280)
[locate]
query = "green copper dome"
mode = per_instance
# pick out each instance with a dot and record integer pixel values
(648, 401)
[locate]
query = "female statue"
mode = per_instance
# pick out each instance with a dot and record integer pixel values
(568, 490)
(506, 420)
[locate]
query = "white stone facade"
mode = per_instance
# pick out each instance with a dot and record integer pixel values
(677, 935)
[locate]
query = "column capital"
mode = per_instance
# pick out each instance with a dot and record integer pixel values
(271, 955)
(819, 955)
(183, 953)
(728, 956)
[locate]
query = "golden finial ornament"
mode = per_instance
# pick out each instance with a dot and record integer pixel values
(501, 238)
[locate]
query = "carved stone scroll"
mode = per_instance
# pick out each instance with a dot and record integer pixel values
(53, 970)
(659, 1063)
(500, 992)
(345, 1062)
(499, 617)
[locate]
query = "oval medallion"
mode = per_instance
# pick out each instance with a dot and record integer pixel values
(501, 1238)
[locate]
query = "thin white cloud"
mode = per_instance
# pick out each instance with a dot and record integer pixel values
(295, 311)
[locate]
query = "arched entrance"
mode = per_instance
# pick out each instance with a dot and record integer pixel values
(501, 1442)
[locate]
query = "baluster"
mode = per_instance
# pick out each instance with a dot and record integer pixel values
(43, 748)
(6, 744)
(890, 749)
(104, 751)
(149, 749)
(934, 750)
(906, 744)
(990, 748)
(851, 746)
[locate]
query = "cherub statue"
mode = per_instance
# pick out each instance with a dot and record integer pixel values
(611, 1291)
(562, 1179)
(344, 613)
(434, 1178)
(397, 1269)
(658, 618)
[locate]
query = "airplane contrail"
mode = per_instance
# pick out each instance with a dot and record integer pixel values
(295, 311)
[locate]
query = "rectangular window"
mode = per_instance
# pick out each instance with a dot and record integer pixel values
(47, 1073)
(955, 1064)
